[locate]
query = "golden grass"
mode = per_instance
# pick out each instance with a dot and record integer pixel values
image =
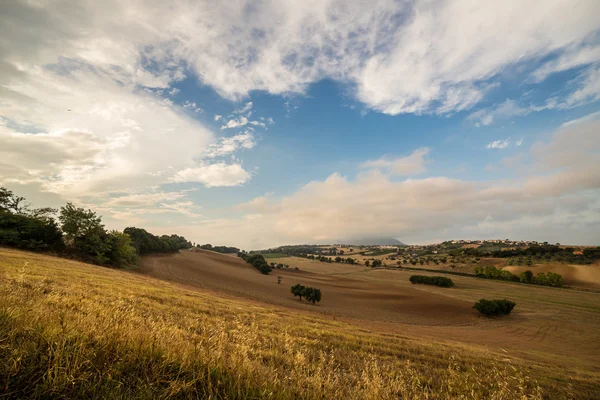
(73, 330)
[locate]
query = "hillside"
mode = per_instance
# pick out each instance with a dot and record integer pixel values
(79, 331)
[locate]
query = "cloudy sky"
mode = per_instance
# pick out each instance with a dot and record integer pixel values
(259, 123)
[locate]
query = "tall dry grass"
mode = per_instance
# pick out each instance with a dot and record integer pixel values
(70, 330)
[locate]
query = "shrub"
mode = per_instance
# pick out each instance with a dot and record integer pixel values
(494, 307)
(432, 280)
(311, 294)
(258, 262)
(298, 290)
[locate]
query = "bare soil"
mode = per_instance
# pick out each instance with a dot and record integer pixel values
(550, 326)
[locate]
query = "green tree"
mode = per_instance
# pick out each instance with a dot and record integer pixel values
(298, 290)
(526, 277)
(121, 253)
(312, 294)
(84, 233)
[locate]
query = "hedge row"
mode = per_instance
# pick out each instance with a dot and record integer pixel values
(494, 307)
(432, 280)
(257, 261)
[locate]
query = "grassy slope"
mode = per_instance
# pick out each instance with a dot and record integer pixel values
(73, 330)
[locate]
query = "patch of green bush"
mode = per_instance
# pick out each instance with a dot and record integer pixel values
(432, 280)
(494, 307)
(257, 261)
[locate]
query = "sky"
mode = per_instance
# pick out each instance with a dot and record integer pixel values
(261, 123)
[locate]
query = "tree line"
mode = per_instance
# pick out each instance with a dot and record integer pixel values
(76, 232)
(257, 261)
(544, 279)
(219, 249)
(542, 251)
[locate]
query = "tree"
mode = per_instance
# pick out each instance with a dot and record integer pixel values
(312, 294)
(367, 263)
(526, 277)
(121, 251)
(84, 233)
(298, 290)
(278, 279)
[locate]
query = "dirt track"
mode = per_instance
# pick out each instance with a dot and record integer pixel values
(343, 297)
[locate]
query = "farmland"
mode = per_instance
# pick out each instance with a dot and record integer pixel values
(211, 325)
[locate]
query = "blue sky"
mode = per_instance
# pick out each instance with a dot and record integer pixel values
(257, 124)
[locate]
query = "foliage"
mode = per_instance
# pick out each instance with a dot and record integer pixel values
(146, 243)
(311, 294)
(494, 307)
(219, 249)
(432, 280)
(78, 232)
(257, 261)
(544, 279)
(298, 290)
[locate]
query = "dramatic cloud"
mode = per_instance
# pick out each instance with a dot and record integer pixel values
(401, 56)
(401, 166)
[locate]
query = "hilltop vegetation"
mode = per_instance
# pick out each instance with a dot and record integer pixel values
(78, 233)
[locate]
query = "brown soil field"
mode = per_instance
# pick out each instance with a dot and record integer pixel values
(585, 276)
(552, 328)
(345, 297)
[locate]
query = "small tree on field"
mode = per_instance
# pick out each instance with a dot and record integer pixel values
(298, 290)
(312, 294)
(367, 263)
(278, 279)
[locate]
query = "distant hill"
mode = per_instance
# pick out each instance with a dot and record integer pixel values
(373, 241)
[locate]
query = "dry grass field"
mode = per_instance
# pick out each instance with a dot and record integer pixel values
(205, 325)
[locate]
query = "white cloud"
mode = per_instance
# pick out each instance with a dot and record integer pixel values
(217, 174)
(235, 123)
(519, 142)
(229, 145)
(572, 58)
(499, 144)
(558, 200)
(401, 57)
(142, 199)
(217, 117)
(401, 166)
(509, 108)
(590, 117)
(247, 107)
(192, 106)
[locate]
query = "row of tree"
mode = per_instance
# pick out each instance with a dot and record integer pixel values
(76, 232)
(257, 261)
(544, 279)
(219, 249)
(542, 251)
(309, 293)
(441, 281)
(494, 307)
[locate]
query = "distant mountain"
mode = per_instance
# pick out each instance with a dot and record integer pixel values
(372, 241)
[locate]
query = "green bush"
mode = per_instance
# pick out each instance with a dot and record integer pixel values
(311, 294)
(432, 280)
(494, 307)
(258, 262)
